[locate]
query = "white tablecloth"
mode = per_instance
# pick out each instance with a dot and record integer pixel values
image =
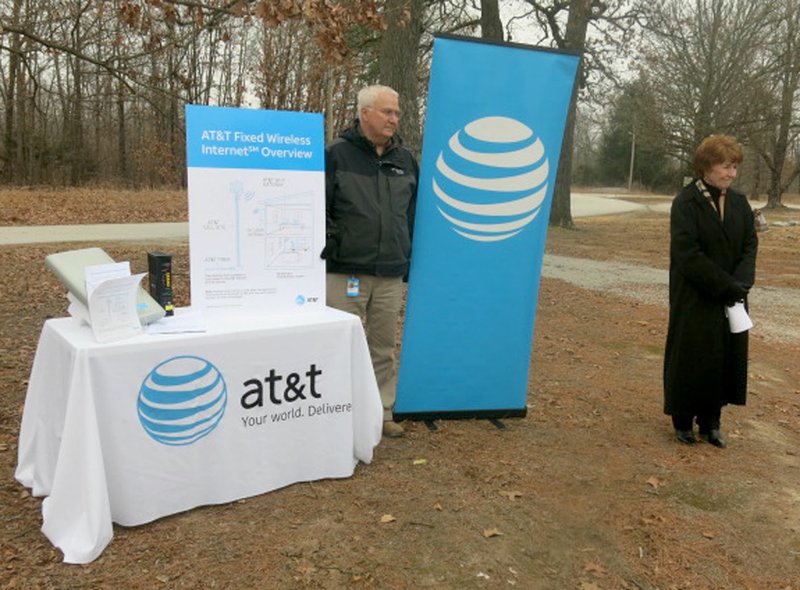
(131, 431)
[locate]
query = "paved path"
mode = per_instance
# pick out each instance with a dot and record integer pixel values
(110, 232)
(583, 205)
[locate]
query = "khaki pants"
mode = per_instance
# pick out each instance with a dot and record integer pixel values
(378, 305)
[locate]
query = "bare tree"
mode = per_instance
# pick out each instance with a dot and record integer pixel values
(784, 51)
(575, 38)
(11, 81)
(64, 62)
(397, 63)
(610, 22)
(704, 61)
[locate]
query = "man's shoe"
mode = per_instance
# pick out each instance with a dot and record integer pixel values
(685, 436)
(715, 438)
(392, 429)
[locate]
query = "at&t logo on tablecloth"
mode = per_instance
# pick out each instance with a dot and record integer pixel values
(182, 400)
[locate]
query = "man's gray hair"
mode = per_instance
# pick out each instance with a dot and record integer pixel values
(369, 94)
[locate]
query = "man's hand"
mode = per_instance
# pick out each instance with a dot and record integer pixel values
(330, 247)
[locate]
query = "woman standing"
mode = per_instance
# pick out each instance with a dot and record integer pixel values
(713, 248)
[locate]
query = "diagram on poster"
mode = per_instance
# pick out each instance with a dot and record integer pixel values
(289, 231)
(256, 231)
(260, 230)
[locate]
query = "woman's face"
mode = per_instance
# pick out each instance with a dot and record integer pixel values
(721, 175)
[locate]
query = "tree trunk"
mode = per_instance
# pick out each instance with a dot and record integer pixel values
(561, 211)
(10, 144)
(74, 127)
(575, 39)
(779, 150)
(789, 81)
(491, 26)
(397, 64)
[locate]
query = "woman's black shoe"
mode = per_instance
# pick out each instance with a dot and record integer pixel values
(715, 438)
(686, 436)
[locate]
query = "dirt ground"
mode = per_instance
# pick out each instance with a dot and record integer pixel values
(589, 491)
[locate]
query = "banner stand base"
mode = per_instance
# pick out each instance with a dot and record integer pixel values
(497, 423)
(461, 415)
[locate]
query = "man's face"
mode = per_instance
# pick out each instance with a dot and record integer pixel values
(379, 122)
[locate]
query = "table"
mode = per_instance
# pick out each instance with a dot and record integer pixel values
(134, 430)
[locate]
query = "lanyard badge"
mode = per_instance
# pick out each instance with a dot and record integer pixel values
(352, 287)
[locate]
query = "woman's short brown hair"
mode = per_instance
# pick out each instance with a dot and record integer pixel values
(716, 149)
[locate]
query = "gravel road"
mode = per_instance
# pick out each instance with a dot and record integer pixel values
(775, 311)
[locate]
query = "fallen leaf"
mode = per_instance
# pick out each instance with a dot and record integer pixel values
(387, 518)
(511, 495)
(420, 461)
(655, 482)
(594, 568)
(708, 535)
(491, 533)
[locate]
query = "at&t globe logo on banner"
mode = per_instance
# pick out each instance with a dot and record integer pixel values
(182, 400)
(491, 179)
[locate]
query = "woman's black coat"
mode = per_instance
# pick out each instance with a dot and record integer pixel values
(705, 366)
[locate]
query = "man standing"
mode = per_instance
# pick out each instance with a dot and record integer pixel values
(371, 191)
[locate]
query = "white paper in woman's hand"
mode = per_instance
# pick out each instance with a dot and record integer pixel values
(738, 319)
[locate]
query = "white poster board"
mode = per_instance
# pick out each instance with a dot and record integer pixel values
(256, 209)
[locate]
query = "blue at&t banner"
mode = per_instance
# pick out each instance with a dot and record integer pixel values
(494, 128)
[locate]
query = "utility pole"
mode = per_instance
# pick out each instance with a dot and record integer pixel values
(633, 156)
